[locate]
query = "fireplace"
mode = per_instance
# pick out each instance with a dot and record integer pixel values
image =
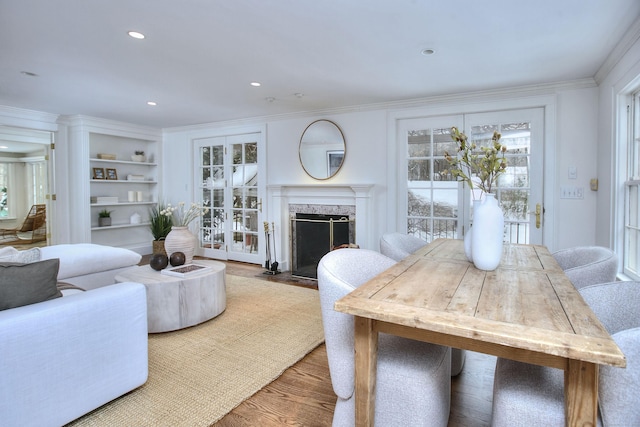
(352, 201)
(313, 235)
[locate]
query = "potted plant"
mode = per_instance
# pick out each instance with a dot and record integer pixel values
(160, 225)
(104, 218)
(138, 156)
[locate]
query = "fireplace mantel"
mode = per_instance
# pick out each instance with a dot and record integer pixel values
(280, 196)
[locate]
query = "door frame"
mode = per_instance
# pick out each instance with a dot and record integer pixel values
(260, 131)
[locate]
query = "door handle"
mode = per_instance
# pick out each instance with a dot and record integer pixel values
(538, 214)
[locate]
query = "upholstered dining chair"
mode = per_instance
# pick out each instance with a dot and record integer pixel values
(398, 246)
(527, 395)
(588, 265)
(413, 383)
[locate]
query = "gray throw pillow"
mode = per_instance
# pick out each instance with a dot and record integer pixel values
(24, 284)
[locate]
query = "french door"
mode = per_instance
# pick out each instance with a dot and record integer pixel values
(227, 180)
(434, 204)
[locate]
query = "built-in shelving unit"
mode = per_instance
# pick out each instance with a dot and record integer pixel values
(129, 186)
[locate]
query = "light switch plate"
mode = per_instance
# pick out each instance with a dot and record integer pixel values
(571, 192)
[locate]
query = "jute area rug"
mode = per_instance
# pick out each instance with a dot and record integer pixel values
(199, 374)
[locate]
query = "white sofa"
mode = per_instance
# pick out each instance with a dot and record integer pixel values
(90, 266)
(65, 357)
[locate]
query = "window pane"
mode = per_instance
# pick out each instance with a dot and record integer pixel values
(445, 203)
(237, 154)
(442, 142)
(251, 152)
(418, 170)
(419, 142)
(515, 205)
(419, 203)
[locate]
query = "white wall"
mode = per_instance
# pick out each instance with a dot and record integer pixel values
(576, 146)
(370, 137)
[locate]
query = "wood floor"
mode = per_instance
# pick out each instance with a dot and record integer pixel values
(303, 396)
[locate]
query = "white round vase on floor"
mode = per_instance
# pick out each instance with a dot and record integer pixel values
(487, 234)
(180, 239)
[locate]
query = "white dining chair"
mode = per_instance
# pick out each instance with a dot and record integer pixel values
(527, 395)
(413, 385)
(398, 246)
(588, 265)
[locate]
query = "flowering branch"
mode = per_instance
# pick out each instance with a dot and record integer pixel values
(182, 218)
(485, 165)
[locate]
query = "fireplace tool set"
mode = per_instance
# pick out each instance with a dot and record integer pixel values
(270, 267)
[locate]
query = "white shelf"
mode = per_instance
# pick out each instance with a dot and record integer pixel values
(114, 226)
(121, 181)
(123, 162)
(94, 205)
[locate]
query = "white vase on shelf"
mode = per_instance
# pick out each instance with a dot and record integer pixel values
(487, 233)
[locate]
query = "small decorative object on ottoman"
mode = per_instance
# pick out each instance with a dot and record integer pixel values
(177, 258)
(158, 261)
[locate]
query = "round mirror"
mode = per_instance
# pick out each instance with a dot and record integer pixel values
(322, 149)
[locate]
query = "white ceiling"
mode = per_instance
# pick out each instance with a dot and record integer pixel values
(199, 56)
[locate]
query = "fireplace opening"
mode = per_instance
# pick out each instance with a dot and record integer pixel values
(313, 236)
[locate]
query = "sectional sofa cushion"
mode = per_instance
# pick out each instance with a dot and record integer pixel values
(24, 284)
(86, 258)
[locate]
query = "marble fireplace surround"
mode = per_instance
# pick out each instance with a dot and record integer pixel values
(320, 198)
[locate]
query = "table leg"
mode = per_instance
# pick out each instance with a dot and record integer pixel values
(366, 358)
(581, 394)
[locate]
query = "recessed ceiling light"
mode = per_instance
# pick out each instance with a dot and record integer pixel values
(255, 84)
(136, 35)
(3, 147)
(152, 103)
(427, 52)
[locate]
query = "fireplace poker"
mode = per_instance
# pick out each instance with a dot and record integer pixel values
(274, 264)
(266, 238)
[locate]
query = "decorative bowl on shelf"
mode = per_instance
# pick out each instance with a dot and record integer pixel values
(138, 158)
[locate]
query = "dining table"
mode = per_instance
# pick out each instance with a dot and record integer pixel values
(525, 310)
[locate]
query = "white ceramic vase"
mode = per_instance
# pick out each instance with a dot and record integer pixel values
(467, 236)
(181, 239)
(487, 234)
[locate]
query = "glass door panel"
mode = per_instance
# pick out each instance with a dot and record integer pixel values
(519, 189)
(432, 193)
(212, 183)
(228, 176)
(433, 204)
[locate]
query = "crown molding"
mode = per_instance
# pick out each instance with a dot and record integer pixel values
(628, 40)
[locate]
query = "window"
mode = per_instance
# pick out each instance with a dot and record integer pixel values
(6, 172)
(631, 258)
